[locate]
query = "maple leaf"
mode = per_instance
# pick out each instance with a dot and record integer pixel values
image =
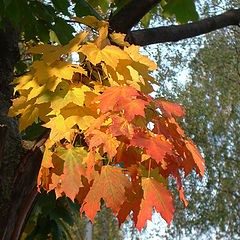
(113, 192)
(44, 178)
(56, 185)
(18, 105)
(90, 160)
(169, 108)
(182, 197)
(120, 126)
(73, 169)
(110, 97)
(47, 158)
(97, 123)
(128, 155)
(119, 39)
(101, 50)
(52, 53)
(28, 116)
(140, 60)
(193, 159)
(131, 107)
(156, 195)
(92, 22)
(109, 142)
(74, 114)
(57, 126)
(170, 128)
(155, 146)
(132, 203)
(109, 54)
(73, 95)
(141, 63)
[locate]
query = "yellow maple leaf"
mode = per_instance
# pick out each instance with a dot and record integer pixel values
(28, 116)
(51, 53)
(118, 38)
(18, 105)
(58, 128)
(102, 40)
(140, 59)
(109, 54)
(60, 69)
(73, 95)
(74, 114)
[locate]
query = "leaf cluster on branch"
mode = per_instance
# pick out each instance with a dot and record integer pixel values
(109, 138)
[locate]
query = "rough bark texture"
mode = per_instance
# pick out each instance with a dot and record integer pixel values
(17, 187)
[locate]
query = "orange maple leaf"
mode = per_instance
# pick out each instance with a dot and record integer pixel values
(169, 108)
(156, 195)
(110, 97)
(73, 170)
(131, 107)
(120, 126)
(108, 142)
(193, 158)
(110, 186)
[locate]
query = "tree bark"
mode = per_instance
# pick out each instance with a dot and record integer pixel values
(19, 164)
(175, 33)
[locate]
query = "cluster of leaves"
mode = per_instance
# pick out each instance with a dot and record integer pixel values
(109, 139)
(50, 218)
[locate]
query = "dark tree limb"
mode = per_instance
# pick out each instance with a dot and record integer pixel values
(175, 33)
(131, 14)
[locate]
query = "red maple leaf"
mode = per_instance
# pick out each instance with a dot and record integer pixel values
(132, 203)
(193, 158)
(155, 146)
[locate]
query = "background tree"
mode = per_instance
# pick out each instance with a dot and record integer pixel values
(212, 99)
(34, 20)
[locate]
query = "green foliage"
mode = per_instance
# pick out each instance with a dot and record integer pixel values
(50, 218)
(183, 10)
(83, 8)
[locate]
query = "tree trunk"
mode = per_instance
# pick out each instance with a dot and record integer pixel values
(17, 179)
(89, 229)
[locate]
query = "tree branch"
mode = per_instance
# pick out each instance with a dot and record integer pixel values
(175, 33)
(131, 14)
